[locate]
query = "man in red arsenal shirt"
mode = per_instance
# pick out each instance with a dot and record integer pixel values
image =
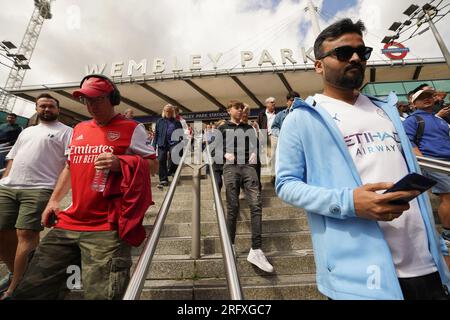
(82, 237)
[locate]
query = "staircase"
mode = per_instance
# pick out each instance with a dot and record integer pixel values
(174, 275)
(286, 242)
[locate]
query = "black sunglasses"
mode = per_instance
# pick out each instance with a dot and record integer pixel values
(345, 53)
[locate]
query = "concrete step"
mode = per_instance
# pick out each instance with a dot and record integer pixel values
(212, 266)
(209, 215)
(243, 227)
(206, 194)
(208, 203)
(204, 189)
(277, 241)
(297, 287)
(3, 269)
(186, 178)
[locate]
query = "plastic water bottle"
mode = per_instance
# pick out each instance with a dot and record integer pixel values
(99, 182)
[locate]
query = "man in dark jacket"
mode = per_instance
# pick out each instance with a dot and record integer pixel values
(165, 127)
(240, 156)
(9, 132)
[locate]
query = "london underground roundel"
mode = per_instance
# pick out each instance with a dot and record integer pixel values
(395, 51)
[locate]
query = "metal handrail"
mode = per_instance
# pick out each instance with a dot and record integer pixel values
(137, 280)
(434, 164)
(234, 285)
(5, 149)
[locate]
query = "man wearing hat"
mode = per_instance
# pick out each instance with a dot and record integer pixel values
(429, 134)
(83, 236)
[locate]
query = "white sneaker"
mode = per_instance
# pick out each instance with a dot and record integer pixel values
(258, 258)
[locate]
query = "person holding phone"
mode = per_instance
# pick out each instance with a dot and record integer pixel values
(337, 152)
(429, 134)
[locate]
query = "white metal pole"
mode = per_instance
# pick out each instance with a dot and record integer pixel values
(314, 18)
(439, 39)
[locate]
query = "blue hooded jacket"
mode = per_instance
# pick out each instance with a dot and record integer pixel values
(315, 171)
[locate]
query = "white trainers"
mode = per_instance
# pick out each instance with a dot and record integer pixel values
(258, 258)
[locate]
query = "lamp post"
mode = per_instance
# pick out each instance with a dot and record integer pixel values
(426, 13)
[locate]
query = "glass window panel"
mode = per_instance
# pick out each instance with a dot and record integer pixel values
(411, 85)
(386, 88)
(442, 85)
(369, 90)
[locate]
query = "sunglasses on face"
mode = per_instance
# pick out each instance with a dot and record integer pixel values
(345, 53)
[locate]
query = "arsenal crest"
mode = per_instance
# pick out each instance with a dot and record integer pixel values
(113, 135)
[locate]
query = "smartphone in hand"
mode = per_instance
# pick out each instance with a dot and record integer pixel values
(410, 182)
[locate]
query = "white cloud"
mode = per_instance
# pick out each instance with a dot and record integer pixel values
(379, 16)
(85, 32)
(112, 31)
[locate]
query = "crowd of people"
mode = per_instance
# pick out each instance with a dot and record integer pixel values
(333, 154)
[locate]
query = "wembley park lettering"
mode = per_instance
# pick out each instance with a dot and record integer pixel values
(197, 61)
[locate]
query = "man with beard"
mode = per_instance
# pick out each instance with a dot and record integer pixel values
(337, 152)
(35, 161)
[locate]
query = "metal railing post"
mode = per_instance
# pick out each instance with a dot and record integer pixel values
(434, 164)
(196, 191)
(195, 249)
(139, 275)
(231, 273)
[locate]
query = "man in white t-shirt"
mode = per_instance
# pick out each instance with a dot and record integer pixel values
(35, 162)
(348, 150)
(265, 121)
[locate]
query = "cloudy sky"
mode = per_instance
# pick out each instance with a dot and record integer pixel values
(88, 32)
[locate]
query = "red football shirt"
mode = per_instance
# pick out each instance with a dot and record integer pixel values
(89, 209)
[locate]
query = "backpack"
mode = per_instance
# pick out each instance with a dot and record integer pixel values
(420, 130)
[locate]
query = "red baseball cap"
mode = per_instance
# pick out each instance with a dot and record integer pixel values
(94, 87)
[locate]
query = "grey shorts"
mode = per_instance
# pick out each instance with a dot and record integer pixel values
(443, 181)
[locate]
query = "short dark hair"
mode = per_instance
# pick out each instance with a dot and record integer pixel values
(47, 96)
(12, 114)
(235, 103)
(336, 30)
(292, 95)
